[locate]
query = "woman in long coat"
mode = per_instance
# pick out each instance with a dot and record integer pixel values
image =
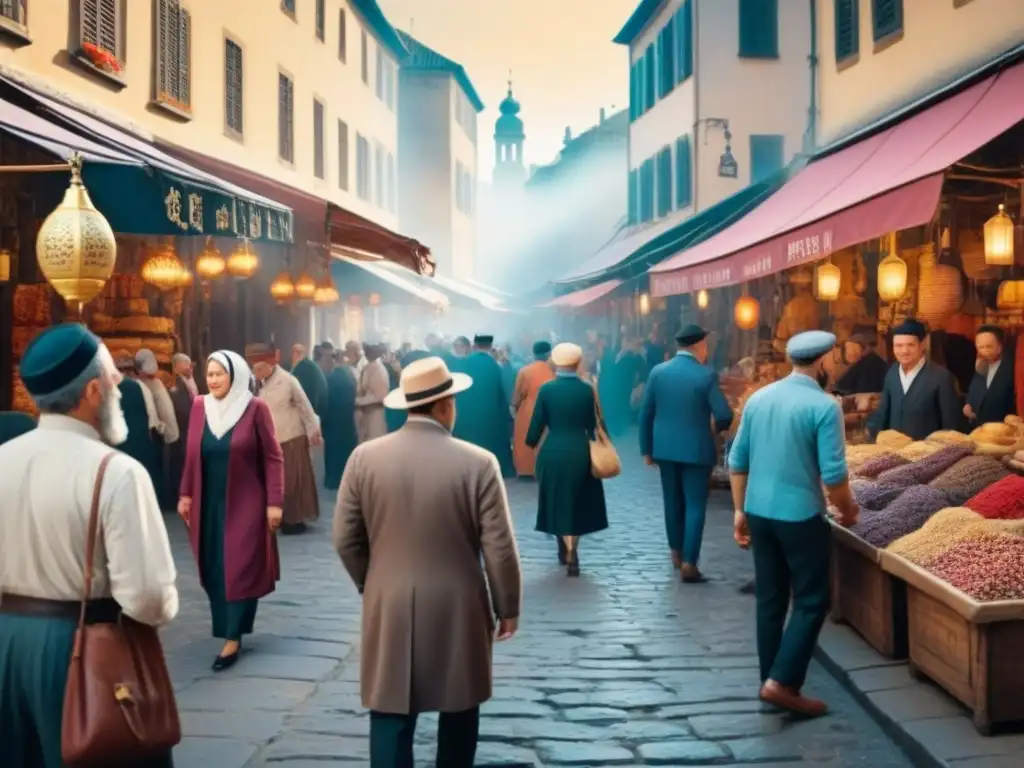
(570, 499)
(524, 399)
(339, 424)
(232, 489)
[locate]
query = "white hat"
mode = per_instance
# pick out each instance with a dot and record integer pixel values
(566, 355)
(425, 381)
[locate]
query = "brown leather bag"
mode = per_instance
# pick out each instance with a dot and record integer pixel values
(119, 702)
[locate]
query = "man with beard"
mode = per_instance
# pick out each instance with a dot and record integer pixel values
(485, 418)
(50, 479)
(183, 393)
(339, 422)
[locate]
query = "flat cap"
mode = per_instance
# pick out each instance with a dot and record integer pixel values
(810, 345)
(691, 334)
(483, 339)
(56, 357)
(911, 327)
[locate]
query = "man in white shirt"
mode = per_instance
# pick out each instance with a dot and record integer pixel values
(47, 481)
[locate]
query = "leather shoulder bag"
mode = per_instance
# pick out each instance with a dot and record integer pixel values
(118, 701)
(604, 460)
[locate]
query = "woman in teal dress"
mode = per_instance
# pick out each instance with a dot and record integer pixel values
(570, 499)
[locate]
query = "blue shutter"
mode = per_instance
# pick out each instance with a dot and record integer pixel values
(650, 69)
(759, 29)
(684, 42)
(847, 14)
(665, 182)
(661, 58)
(684, 173)
(667, 57)
(632, 93)
(887, 17)
(634, 201)
(647, 190)
(766, 156)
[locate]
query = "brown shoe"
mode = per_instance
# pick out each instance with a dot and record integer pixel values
(784, 697)
(690, 574)
(677, 559)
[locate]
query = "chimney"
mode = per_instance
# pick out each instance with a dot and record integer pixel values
(600, 120)
(568, 136)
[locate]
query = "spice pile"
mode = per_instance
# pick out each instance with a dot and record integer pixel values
(969, 477)
(906, 514)
(883, 462)
(1003, 500)
(945, 528)
(987, 569)
(927, 469)
(919, 450)
(874, 496)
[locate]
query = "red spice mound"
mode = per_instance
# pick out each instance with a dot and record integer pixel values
(1003, 500)
(986, 569)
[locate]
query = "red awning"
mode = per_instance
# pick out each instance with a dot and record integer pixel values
(578, 299)
(889, 181)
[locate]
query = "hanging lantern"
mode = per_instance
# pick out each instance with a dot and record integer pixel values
(164, 270)
(1010, 295)
(243, 262)
(210, 265)
(76, 249)
(282, 289)
(186, 278)
(645, 304)
(5, 265)
(325, 292)
(892, 278)
(374, 300)
(305, 287)
(703, 299)
(747, 313)
(827, 279)
(999, 240)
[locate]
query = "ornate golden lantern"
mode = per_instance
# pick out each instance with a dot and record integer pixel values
(892, 278)
(76, 249)
(243, 261)
(164, 270)
(1010, 295)
(282, 288)
(703, 299)
(305, 287)
(326, 293)
(747, 313)
(827, 279)
(210, 264)
(999, 240)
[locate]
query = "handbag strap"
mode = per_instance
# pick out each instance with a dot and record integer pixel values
(598, 417)
(90, 543)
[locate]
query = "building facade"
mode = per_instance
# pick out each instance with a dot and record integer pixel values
(438, 108)
(876, 56)
(304, 92)
(719, 98)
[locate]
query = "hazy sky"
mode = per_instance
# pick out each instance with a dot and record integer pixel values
(564, 65)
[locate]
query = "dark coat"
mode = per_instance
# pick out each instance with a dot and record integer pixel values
(931, 404)
(313, 382)
(339, 424)
(867, 375)
(482, 411)
(996, 402)
(14, 424)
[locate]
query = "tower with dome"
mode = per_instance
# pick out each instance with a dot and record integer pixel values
(509, 170)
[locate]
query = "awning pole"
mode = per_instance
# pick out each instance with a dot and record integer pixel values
(35, 168)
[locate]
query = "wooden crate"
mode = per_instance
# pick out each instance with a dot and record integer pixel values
(865, 597)
(970, 649)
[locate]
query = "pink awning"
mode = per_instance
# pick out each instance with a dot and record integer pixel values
(889, 181)
(578, 299)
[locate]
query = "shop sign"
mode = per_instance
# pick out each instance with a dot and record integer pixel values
(197, 211)
(808, 248)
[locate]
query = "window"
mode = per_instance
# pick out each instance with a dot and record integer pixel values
(469, 188)
(650, 69)
(385, 80)
(233, 112)
(847, 29)
(634, 101)
(634, 200)
(759, 29)
(14, 10)
(319, 164)
(665, 182)
(458, 185)
(342, 37)
(684, 172)
(362, 168)
(667, 59)
(342, 155)
(684, 42)
(766, 156)
(285, 118)
(647, 190)
(173, 55)
(288, 6)
(364, 56)
(379, 193)
(100, 26)
(321, 19)
(887, 17)
(392, 185)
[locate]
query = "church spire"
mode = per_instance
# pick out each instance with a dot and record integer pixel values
(508, 141)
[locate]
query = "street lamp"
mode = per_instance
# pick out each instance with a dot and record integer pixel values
(728, 168)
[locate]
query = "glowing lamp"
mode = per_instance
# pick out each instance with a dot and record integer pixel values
(282, 289)
(243, 262)
(164, 270)
(827, 279)
(703, 299)
(1010, 295)
(210, 265)
(5, 265)
(999, 240)
(645, 304)
(374, 300)
(305, 287)
(892, 278)
(325, 292)
(747, 313)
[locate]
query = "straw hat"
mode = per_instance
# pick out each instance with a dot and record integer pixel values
(566, 355)
(426, 381)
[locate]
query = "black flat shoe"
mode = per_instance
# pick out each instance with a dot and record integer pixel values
(222, 663)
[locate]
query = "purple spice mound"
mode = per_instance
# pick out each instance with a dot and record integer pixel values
(875, 466)
(906, 514)
(874, 496)
(925, 470)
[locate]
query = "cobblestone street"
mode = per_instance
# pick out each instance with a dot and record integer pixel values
(624, 666)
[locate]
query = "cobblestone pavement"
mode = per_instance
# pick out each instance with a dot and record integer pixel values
(623, 666)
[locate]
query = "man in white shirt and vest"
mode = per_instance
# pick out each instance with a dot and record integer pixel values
(47, 480)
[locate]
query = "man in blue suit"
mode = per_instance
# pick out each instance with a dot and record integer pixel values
(683, 407)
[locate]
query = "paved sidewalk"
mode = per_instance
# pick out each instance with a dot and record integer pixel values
(623, 666)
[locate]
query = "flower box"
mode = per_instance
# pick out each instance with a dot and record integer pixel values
(970, 649)
(865, 597)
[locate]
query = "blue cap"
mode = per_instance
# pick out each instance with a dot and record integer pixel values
(810, 345)
(541, 348)
(56, 357)
(911, 327)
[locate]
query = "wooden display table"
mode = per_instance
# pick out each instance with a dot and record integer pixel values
(865, 597)
(971, 649)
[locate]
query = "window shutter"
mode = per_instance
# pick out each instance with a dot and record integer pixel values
(164, 62)
(766, 156)
(759, 28)
(342, 36)
(650, 69)
(233, 86)
(847, 15)
(378, 177)
(661, 57)
(632, 93)
(392, 185)
(13, 10)
(184, 80)
(887, 16)
(364, 57)
(342, 155)
(641, 86)
(321, 19)
(647, 190)
(109, 16)
(684, 42)
(684, 173)
(319, 169)
(285, 118)
(664, 182)
(634, 202)
(380, 73)
(667, 57)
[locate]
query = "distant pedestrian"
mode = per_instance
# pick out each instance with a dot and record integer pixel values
(374, 384)
(682, 409)
(310, 376)
(183, 394)
(570, 500)
(524, 399)
(484, 416)
(231, 495)
(14, 424)
(790, 443)
(339, 423)
(421, 518)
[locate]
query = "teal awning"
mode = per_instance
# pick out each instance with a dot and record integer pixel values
(139, 188)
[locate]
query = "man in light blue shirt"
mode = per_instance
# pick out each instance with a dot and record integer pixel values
(791, 441)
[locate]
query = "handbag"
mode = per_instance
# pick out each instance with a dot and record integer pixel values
(118, 700)
(604, 459)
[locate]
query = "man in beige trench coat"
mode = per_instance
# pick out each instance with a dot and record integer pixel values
(415, 511)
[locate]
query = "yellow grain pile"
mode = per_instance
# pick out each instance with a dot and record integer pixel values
(948, 527)
(892, 440)
(949, 437)
(856, 455)
(920, 450)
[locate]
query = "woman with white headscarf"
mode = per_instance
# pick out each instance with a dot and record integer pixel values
(232, 488)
